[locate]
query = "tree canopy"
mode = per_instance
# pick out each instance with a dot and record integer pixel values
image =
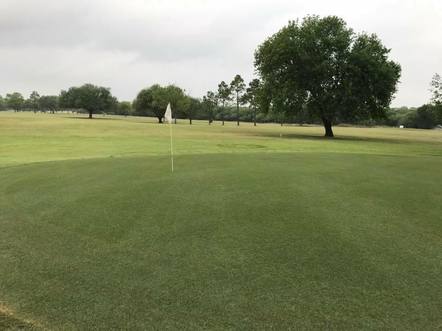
(15, 101)
(154, 100)
(48, 103)
(124, 108)
(33, 101)
(237, 86)
(2, 103)
(224, 96)
(255, 97)
(210, 103)
(89, 97)
(436, 89)
(190, 107)
(322, 66)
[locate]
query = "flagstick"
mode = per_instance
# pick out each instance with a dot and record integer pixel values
(171, 144)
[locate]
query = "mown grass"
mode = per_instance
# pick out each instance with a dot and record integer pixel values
(252, 231)
(31, 137)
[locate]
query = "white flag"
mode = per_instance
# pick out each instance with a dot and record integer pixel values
(168, 114)
(168, 118)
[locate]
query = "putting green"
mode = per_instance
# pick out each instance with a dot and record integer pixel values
(257, 228)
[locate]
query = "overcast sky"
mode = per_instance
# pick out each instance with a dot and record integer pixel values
(48, 45)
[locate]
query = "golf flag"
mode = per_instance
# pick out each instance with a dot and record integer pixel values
(168, 114)
(168, 118)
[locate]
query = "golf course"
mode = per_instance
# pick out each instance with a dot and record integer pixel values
(267, 227)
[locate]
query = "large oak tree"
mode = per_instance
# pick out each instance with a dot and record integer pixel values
(322, 66)
(154, 100)
(89, 97)
(15, 101)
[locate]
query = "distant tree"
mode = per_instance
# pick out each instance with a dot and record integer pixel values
(91, 98)
(438, 114)
(48, 103)
(2, 103)
(124, 108)
(254, 97)
(190, 107)
(26, 105)
(143, 104)
(210, 102)
(436, 89)
(15, 101)
(179, 102)
(424, 117)
(154, 100)
(33, 101)
(322, 65)
(224, 96)
(238, 87)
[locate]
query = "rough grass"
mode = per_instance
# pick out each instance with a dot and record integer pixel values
(252, 231)
(9, 321)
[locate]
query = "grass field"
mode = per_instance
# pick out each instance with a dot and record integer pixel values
(258, 228)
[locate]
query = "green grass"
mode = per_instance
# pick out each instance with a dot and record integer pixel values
(258, 228)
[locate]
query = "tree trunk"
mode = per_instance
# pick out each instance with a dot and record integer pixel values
(160, 119)
(237, 110)
(254, 117)
(90, 114)
(222, 114)
(190, 121)
(328, 128)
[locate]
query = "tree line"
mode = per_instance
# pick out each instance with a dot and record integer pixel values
(151, 101)
(317, 70)
(234, 102)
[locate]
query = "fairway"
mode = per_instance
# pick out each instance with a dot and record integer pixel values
(258, 227)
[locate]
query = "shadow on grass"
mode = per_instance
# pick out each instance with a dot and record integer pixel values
(93, 118)
(98, 117)
(323, 138)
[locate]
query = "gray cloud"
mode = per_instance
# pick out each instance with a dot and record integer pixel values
(126, 45)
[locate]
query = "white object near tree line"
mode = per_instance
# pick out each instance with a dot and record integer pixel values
(168, 118)
(168, 114)
(401, 126)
